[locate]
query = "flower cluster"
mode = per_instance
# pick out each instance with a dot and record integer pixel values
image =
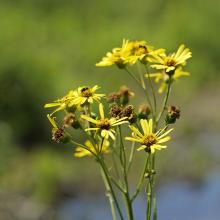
(105, 119)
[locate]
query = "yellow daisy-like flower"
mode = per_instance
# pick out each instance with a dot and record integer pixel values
(139, 50)
(148, 140)
(130, 52)
(171, 62)
(162, 76)
(100, 147)
(104, 125)
(117, 56)
(86, 95)
(62, 103)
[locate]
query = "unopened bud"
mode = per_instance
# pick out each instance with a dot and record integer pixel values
(173, 113)
(70, 120)
(143, 111)
(59, 136)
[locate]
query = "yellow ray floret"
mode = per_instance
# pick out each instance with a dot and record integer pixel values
(86, 95)
(163, 78)
(101, 147)
(148, 140)
(104, 125)
(62, 103)
(172, 61)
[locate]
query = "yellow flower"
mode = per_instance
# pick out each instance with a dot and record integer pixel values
(162, 76)
(86, 95)
(139, 50)
(104, 125)
(130, 52)
(100, 147)
(148, 140)
(117, 56)
(62, 103)
(171, 62)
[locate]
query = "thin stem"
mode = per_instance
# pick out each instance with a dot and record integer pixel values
(126, 192)
(164, 102)
(141, 180)
(111, 200)
(111, 188)
(131, 156)
(149, 192)
(153, 92)
(140, 84)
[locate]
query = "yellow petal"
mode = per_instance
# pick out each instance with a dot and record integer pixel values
(164, 140)
(101, 111)
(87, 118)
(145, 126)
(142, 147)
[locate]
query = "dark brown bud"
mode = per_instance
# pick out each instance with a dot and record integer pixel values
(128, 111)
(58, 135)
(173, 113)
(115, 111)
(70, 120)
(113, 97)
(143, 111)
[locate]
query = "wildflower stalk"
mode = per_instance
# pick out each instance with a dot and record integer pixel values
(111, 200)
(164, 102)
(131, 156)
(126, 192)
(140, 84)
(141, 179)
(111, 188)
(153, 92)
(149, 193)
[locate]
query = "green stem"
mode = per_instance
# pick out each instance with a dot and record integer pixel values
(141, 180)
(126, 192)
(131, 156)
(164, 102)
(140, 84)
(111, 200)
(111, 188)
(153, 93)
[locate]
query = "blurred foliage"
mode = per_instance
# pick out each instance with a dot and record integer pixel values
(50, 46)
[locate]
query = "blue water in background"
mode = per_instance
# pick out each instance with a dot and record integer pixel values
(177, 201)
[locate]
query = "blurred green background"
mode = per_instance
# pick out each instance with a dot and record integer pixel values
(50, 46)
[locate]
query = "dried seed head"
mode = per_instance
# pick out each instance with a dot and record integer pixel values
(128, 111)
(58, 135)
(115, 111)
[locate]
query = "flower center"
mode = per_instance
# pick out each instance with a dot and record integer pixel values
(171, 62)
(149, 140)
(103, 124)
(142, 49)
(86, 92)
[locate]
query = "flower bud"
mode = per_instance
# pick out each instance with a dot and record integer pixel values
(115, 111)
(128, 112)
(70, 120)
(113, 97)
(59, 136)
(143, 111)
(173, 113)
(125, 94)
